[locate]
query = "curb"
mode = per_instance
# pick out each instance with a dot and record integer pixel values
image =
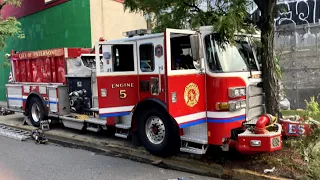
(139, 154)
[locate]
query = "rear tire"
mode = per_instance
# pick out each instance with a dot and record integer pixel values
(36, 111)
(158, 133)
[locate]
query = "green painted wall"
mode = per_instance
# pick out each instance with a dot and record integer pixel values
(64, 25)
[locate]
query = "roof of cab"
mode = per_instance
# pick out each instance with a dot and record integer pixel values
(136, 38)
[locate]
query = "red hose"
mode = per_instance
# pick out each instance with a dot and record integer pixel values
(260, 127)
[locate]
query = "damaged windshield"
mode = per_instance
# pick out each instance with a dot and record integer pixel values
(232, 58)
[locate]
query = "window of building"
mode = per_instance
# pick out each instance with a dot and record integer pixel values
(146, 57)
(123, 58)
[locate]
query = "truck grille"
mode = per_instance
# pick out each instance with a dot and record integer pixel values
(255, 103)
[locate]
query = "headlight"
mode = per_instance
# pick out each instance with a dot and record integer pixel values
(236, 92)
(237, 105)
(243, 104)
(234, 105)
(242, 91)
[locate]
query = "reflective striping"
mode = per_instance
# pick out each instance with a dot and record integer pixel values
(190, 117)
(114, 114)
(212, 114)
(25, 99)
(53, 100)
(115, 109)
(15, 96)
(14, 99)
(227, 120)
(192, 123)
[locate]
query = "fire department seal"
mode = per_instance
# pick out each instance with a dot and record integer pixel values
(158, 51)
(191, 94)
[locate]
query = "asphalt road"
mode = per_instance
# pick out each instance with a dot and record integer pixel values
(26, 161)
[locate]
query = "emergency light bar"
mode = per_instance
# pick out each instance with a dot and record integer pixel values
(139, 32)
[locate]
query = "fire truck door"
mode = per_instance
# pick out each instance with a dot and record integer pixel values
(185, 83)
(117, 78)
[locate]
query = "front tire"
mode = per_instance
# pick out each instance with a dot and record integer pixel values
(158, 133)
(36, 111)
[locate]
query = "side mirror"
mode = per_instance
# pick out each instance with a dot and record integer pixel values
(195, 47)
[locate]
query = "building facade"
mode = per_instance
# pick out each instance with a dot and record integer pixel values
(66, 23)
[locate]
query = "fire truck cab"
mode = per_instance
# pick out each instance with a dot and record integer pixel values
(173, 90)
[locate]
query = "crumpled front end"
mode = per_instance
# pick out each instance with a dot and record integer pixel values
(265, 136)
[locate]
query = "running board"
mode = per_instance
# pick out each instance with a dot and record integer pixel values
(194, 139)
(123, 126)
(71, 121)
(189, 148)
(121, 135)
(122, 130)
(193, 150)
(93, 129)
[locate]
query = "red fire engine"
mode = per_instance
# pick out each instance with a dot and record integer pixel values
(177, 89)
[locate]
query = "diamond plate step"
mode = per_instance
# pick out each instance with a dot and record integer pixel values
(123, 126)
(192, 150)
(121, 135)
(93, 129)
(195, 139)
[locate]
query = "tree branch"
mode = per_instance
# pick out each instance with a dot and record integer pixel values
(2, 5)
(193, 6)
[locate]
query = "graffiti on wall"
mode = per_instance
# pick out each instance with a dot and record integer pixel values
(298, 12)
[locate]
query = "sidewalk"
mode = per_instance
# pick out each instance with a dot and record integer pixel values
(122, 148)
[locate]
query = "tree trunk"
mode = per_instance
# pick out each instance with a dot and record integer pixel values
(270, 80)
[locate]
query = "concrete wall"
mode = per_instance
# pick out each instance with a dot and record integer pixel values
(109, 20)
(297, 39)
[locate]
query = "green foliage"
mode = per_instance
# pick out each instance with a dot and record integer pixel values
(312, 107)
(16, 3)
(277, 68)
(9, 27)
(308, 146)
(309, 149)
(227, 17)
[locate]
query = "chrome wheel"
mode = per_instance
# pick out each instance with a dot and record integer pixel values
(155, 130)
(35, 112)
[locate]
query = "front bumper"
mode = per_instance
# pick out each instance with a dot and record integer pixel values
(250, 143)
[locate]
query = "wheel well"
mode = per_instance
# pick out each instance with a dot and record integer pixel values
(140, 107)
(36, 95)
